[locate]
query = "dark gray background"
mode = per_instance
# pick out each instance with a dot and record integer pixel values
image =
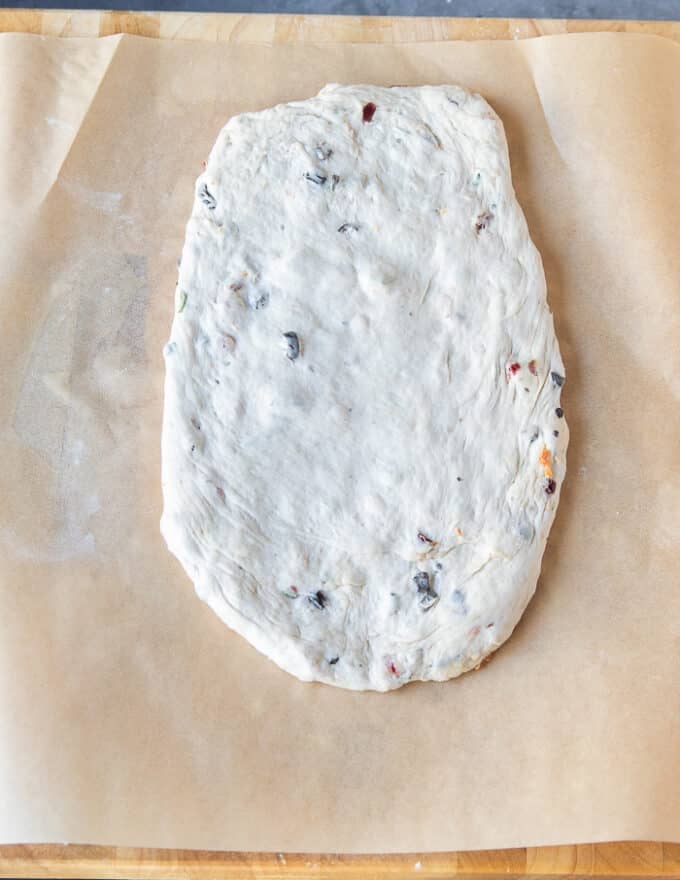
(651, 9)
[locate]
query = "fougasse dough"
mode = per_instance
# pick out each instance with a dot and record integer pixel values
(363, 444)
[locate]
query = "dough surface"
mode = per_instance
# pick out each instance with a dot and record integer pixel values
(363, 445)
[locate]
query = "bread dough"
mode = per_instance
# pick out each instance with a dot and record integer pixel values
(363, 445)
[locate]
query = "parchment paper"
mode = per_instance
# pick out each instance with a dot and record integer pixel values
(128, 713)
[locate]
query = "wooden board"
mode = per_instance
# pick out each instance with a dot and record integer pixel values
(607, 860)
(631, 860)
(235, 28)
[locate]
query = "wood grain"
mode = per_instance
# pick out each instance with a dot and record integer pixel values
(236, 28)
(606, 860)
(602, 861)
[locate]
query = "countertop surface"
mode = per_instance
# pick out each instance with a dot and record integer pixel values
(602, 9)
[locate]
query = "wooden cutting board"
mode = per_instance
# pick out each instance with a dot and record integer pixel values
(235, 28)
(602, 861)
(615, 860)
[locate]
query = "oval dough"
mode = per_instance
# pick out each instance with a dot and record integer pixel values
(363, 445)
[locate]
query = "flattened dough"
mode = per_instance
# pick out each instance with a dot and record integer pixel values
(363, 445)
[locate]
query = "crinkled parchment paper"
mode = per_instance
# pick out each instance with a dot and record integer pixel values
(128, 713)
